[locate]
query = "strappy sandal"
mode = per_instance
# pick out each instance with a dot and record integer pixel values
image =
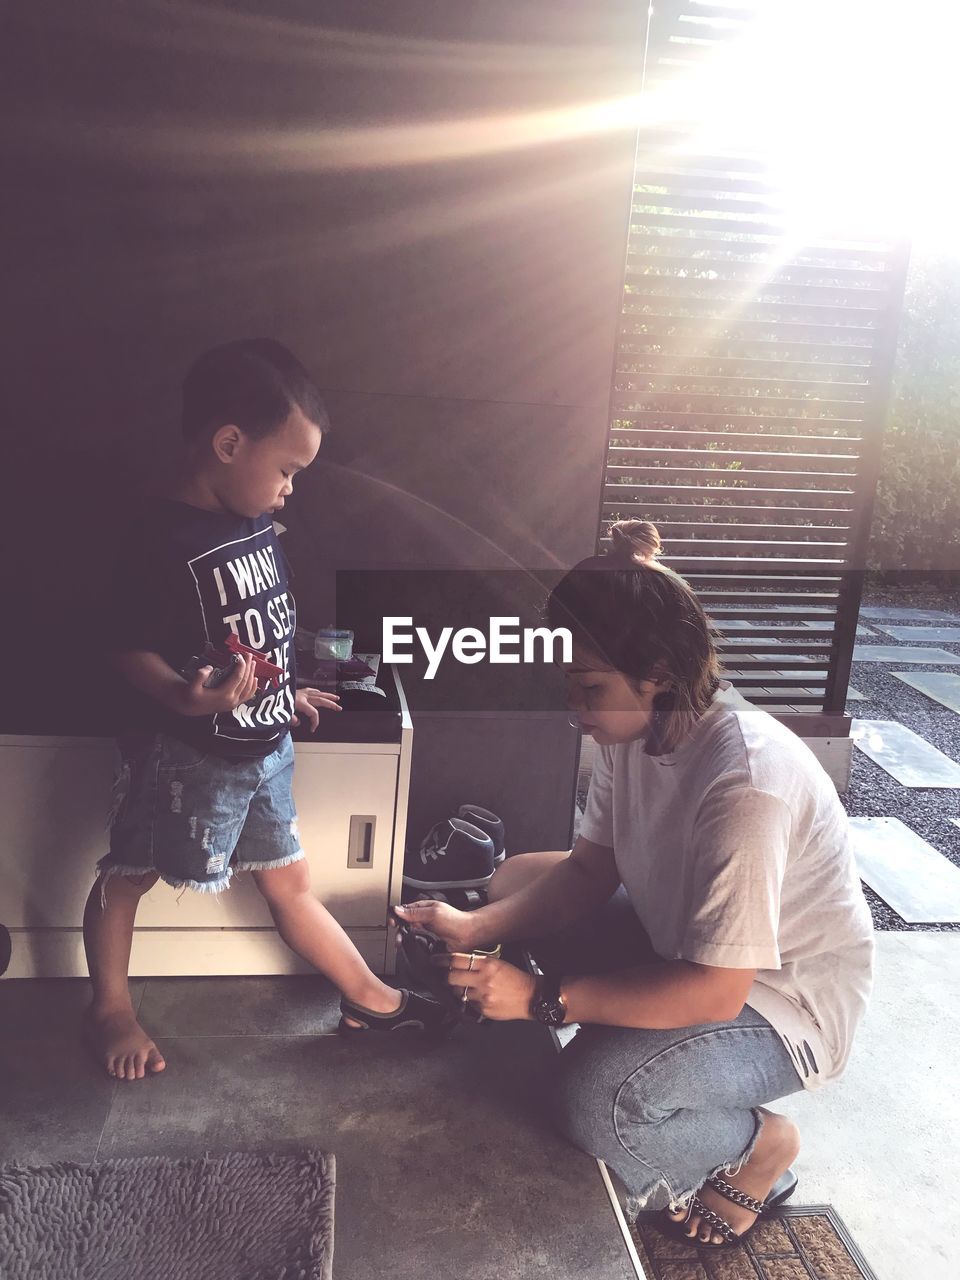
(420, 948)
(416, 1013)
(781, 1191)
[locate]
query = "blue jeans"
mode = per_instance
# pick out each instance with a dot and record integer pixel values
(663, 1109)
(195, 818)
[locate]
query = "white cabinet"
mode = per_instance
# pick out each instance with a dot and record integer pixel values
(55, 794)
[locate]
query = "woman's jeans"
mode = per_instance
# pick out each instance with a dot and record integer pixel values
(663, 1109)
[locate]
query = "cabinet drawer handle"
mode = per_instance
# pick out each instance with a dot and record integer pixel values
(360, 845)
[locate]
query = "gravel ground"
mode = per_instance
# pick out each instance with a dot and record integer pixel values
(872, 792)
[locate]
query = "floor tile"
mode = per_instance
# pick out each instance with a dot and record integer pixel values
(291, 1005)
(900, 653)
(921, 885)
(442, 1151)
(904, 754)
(40, 1008)
(891, 613)
(941, 686)
(936, 635)
(55, 1101)
(871, 1141)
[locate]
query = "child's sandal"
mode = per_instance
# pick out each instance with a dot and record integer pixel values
(416, 1013)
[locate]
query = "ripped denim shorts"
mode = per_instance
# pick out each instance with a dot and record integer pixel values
(194, 819)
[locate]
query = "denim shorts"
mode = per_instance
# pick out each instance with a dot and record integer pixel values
(194, 819)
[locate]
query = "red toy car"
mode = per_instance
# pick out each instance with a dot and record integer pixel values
(224, 662)
(266, 672)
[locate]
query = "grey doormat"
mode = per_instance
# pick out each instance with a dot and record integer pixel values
(803, 1242)
(235, 1217)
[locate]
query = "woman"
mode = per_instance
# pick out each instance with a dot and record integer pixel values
(723, 950)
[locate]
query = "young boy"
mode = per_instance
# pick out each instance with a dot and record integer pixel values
(205, 783)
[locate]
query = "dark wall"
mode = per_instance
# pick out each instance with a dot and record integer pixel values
(421, 199)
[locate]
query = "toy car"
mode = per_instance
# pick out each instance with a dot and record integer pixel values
(225, 663)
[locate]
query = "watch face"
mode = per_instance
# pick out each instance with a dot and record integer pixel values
(551, 1012)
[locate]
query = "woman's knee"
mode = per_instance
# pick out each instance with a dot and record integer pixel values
(518, 871)
(279, 884)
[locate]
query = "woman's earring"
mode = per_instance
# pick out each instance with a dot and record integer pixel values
(663, 703)
(573, 721)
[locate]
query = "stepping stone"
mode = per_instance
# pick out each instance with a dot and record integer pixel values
(921, 885)
(938, 635)
(901, 653)
(854, 695)
(828, 627)
(955, 821)
(941, 686)
(906, 756)
(892, 614)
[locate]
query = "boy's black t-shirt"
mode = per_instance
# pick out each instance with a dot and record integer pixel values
(186, 576)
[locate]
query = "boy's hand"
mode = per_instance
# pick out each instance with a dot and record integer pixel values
(308, 700)
(195, 700)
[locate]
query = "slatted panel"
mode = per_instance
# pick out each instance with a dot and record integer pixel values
(751, 380)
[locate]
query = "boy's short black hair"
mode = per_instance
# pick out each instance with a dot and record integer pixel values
(254, 384)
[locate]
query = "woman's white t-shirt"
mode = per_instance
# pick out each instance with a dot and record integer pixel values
(735, 852)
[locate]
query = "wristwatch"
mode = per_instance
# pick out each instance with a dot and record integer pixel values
(548, 1005)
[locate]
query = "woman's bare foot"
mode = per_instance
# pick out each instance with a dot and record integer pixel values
(777, 1148)
(121, 1045)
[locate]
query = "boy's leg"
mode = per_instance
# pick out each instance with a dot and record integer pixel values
(308, 928)
(111, 1029)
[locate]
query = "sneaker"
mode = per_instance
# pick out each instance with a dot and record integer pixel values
(454, 855)
(488, 822)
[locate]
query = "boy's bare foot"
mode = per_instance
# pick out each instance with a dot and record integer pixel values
(776, 1149)
(121, 1045)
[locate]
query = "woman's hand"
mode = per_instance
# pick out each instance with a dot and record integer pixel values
(497, 989)
(456, 928)
(306, 703)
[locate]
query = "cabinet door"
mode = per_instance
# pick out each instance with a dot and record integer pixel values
(345, 808)
(54, 802)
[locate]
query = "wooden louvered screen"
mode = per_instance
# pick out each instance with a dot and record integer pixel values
(749, 391)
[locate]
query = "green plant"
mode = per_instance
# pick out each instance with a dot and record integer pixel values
(916, 521)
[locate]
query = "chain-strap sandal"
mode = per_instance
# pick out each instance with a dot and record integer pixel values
(781, 1191)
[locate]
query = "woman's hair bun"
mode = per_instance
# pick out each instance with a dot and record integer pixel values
(635, 541)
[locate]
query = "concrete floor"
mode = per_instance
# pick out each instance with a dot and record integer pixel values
(881, 1144)
(444, 1160)
(445, 1164)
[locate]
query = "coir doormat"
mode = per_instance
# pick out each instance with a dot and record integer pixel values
(800, 1243)
(234, 1217)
